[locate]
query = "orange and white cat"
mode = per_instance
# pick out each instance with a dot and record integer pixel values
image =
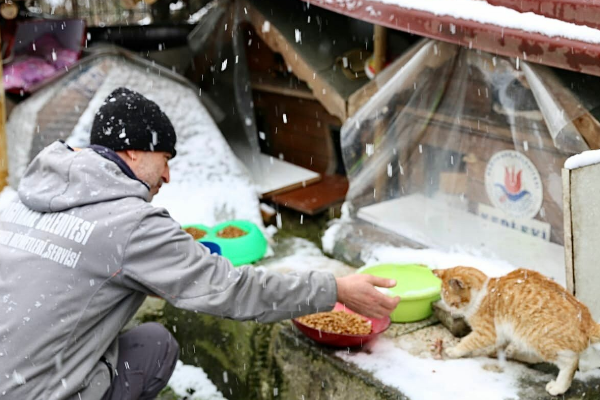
(535, 315)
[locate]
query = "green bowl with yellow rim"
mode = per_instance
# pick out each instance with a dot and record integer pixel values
(416, 285)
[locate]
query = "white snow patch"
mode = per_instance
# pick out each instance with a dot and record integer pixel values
(587, 158)
(55, 3)
(177, 6)
(145, 21)
(299, 255)
(197, 16)
(435, 259)
(20, 128)
(329, 237)
(187, 378)
(8, 195)
(429, 379)
(481, 11)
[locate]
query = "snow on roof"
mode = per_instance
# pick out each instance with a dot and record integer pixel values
(485, 13)
(583, 159)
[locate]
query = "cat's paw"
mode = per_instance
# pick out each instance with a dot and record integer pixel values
(453, 352)
(555, 389)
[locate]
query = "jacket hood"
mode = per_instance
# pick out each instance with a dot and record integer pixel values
(60, 178)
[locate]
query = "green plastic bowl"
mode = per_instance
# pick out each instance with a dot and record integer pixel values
(416, 285)
(242, 250)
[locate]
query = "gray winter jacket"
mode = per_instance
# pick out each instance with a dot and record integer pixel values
(79, 253)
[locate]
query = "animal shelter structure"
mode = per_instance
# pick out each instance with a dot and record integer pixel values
(461, 148)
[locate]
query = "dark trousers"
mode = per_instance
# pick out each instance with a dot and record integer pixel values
(147, 358)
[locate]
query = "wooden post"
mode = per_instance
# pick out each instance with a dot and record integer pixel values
(379, 47)
(379, 53)
(582, 226)
(3, 143)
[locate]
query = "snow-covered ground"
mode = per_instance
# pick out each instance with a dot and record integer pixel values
(420, 377)
(192, 383)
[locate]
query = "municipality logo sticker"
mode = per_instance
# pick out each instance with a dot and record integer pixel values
(513, 184)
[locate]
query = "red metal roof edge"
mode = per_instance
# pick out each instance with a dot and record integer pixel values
(529, 46)
(580, 12)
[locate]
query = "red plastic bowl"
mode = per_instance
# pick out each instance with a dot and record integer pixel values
(378, 325)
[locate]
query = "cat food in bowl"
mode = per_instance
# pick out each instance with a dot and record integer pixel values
(230, 232)
(242, 242)
(416, 285)
(197, 231)
(341, 327)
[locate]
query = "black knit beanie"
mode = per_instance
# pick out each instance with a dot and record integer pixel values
(129, 121)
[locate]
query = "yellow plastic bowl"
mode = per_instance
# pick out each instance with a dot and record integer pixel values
(416, 285)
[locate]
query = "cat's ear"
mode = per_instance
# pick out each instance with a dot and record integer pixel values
(456, 284)
(439, 273)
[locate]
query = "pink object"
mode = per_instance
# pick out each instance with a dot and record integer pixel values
(379, 325)
(64, 58)
(26, 72)
(42, 49)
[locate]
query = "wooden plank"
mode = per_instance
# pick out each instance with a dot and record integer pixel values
(280, 176)
(289, 188)
(568, 229)
(302, 159)
(316, 198)
(304, 143)
(298, 110)
(585, 225)
(298, 43)
(441, 125)
(278, 87)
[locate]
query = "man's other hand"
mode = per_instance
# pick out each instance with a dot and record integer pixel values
(358, 293)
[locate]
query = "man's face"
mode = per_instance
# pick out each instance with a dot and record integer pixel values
(151, 167)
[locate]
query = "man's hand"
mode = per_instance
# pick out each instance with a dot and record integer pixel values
(358, 293)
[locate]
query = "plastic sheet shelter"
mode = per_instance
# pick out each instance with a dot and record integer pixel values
(462, 150)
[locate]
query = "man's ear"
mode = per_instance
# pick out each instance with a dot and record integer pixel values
(456, 284)
(131, 155)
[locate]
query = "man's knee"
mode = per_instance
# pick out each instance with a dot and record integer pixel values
(159, 335)
(159, 342)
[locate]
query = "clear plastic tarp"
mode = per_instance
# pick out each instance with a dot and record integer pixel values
(462, 150)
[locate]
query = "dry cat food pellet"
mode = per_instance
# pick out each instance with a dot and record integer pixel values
(338, 322)
(196, 233)
(231, 232)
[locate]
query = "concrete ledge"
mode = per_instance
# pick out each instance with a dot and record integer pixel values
(247, 360)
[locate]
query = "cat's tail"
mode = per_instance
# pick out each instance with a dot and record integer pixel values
(595, 333)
